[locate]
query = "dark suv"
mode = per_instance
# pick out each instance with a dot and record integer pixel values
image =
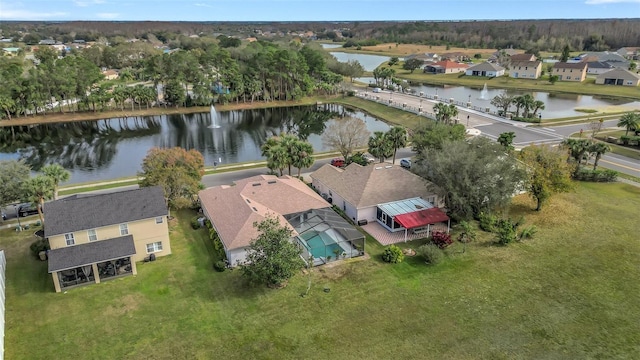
(27, 209)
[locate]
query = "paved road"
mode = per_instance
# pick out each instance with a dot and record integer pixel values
(492, 126)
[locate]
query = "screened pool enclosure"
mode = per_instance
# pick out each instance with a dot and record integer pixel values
(326, 236)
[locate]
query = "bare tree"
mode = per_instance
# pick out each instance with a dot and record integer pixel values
(345, 135)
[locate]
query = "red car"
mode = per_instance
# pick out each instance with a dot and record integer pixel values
(337, 162)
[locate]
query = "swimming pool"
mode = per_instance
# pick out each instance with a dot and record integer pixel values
(321, 245)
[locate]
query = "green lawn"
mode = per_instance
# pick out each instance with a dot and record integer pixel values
(570, 293)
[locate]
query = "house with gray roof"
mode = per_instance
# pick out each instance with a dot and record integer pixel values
(395, 198)
(234, 209)
(94, 238)
(619, 77)
(485, 69)
(598, 67)
(566, 71)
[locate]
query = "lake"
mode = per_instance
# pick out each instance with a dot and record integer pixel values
(113, 148)
(369, 62)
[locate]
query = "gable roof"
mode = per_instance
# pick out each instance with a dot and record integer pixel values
(84, 254)
(523, 57)
(447, 64)
(534, 64)
(599, 65)
(93, 211)
(618, 73)
(233, 209)
(364, 186)
(564, 65)
(486, 66)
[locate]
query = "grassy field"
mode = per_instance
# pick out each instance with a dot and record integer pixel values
(570, 293)
(400, 50)
(389, 114)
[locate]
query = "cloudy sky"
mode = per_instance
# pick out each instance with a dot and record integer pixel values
(310, 10)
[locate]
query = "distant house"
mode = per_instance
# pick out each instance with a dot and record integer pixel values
(110, 74)
(98, 237)
(233, 211)
(522, 57)
(598, 67)
(455, 56)
(485, 69)
(445, 67)
(525, 69)
(47, 42)
(508, 52)
(619, 77)
(629, 52)
(10, 51)
(570, 71)
(432, 57)
(614, 59)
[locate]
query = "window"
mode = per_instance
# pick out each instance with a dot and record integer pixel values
(69, 239)
(124, 229)
(93, 236)
(160, 220)
(154, 247)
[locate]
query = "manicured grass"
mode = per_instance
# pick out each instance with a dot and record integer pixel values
(389, 114)
(570, 293)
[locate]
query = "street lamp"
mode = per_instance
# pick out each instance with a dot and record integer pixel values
(15, 207)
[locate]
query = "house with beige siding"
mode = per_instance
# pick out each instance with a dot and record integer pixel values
(445, 67)
(486, 69)
(525, 69)
(570, 71)
(620, 77)
(382, 193)
(234, 209)
(94, 238)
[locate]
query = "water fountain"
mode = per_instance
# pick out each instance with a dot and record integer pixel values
(214, 118)
(484, 92)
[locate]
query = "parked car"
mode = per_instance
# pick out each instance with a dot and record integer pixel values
(337, 162)
(405, 163)
(377, 90)
(369, 157)
(27, 209)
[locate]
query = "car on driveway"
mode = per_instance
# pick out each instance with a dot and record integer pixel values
(337, 162)
(405, 163)
(27, 209)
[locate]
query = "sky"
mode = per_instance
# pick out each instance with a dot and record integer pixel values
(314, 10)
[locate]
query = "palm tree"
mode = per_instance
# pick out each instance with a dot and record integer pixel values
(57, 174)
(397, 137)
(303, 155)
(278, 158)
(577, 149)
(289, 143)
(380, 146)
(37, 190)
(445, 112)
(630, 120)
(598, 149)
(537, 105)
(506, 139)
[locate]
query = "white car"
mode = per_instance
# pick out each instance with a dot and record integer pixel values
(377, 90)
(369, 157)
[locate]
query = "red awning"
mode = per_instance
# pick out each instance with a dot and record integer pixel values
(421, 218)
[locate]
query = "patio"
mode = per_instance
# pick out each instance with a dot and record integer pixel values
(385, 237)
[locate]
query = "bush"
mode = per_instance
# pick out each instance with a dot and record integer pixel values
(39, 245)
(625, 139)
(605, 175)
(506, 231)
(441, 239)
(392, 254)
(431, 253)
(487, 222)
(220, 266)
(351, 93)
(528, 232)
(195, 224)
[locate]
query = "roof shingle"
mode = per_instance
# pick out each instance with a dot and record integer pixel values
(78, 255)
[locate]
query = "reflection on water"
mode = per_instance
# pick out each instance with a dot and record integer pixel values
(112, 148)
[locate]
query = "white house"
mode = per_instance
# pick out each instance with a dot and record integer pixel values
(485, 69)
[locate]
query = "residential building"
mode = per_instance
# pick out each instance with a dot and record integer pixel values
(620, 77)
(522, 57)
(455, 56)
(10, 51)
(358, 190)
(570, 71)
(110, 74)
(47, 42)
(445, 67)
(485, 69)
(98, 237)
(629, 52)
(233, 211)
(598, 67)
(525, 69)
(432, 57)
(614, 59)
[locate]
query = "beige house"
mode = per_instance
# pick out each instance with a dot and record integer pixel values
(522, 57)
(525, 69)
(445, 67)
(570, 71)
(110, 74)
(234, 209)
(377, 192)
(100, 237)
(619, 77)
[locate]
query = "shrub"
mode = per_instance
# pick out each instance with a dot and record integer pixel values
(441, 239)
(625, 139)
(487, 222)
(392, 254)
(195, 224)
(39, 245)
(528, 232)
(220, 266)
(605, 175)
(431, 253)
(506, 231)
